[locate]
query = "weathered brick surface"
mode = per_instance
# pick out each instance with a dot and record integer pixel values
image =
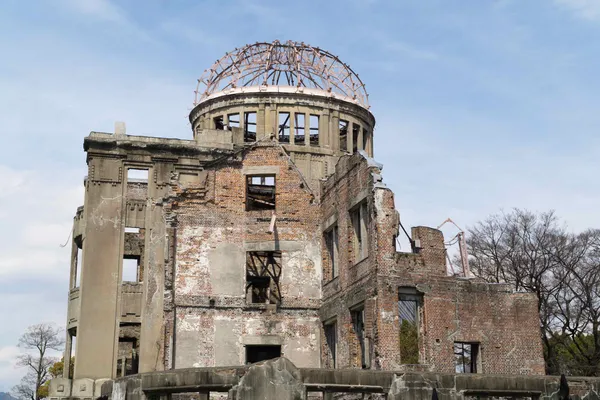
(453, 309)
(213, 214)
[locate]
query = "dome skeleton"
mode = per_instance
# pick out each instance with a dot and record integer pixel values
(282, 64)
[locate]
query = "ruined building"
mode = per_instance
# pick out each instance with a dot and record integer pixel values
(270, 233)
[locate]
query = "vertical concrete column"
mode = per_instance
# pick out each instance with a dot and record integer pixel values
(151, 343)
(260, 121)
(74, 272)
(350, 137)
(324, 134)
(334, 131)
(306, 129)
(361, 132)
(292, 127)
(101, 270)
(274, 121)
(67, 353)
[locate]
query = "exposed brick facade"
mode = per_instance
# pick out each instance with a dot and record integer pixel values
(502, 323)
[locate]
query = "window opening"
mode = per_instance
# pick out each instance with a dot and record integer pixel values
(78, 262)
(263, 270)
(358, 217)
(127, 363)
(465, 356)
(219, 124)
(355, 132)
(409, 302)
(284, 127)
(299, 137)
(331, 339)
(233, 120)
(365, 139)
(260, 192)
(260, 353)
(137, 175)
(250, 127)
(358, 324)
(314, 130)
(343, 127)
(331, 242)
(130, 269)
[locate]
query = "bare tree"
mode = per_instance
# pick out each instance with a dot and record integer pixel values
(38, 340)
(535, 253)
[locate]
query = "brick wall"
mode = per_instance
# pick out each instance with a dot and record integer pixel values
(504, 324)
(213, 232)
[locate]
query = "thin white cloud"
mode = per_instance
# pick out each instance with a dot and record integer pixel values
(585, 9)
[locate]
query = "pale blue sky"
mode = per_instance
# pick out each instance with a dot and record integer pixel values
(480, 105)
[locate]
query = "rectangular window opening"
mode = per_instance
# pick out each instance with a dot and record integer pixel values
(137, 175)
(250, 127)
(127, 363)
(77, 273)
(284, 127)
(331, 339)
(299, 137)
(233, 120)
(365, 142)
(260, 192)
(331, 242)
(359, 219)
(258, 353)
(355, 132)
(409, 302)
(358, 324)
(219, 123)
(263, 270)
(314, 130)
(130, 269)
(465, 357)
(343, 128)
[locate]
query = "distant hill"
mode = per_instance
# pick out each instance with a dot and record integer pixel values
(6, 396)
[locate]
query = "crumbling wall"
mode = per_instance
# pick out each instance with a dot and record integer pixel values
(212, 319)
(503, 324)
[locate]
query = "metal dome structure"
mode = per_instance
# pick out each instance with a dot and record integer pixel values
(290, 64)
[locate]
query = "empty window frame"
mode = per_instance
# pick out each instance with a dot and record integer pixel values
(465, 357)
(358, 325)
(260, 192)
(218, 122)
(299, 124)
(137, 175)
(263, 270)
(409, 303)
(233, 120)
(284, 127)
(355, 134)
(365, 143)
(250, 126)
(330, 330)
(314, 130)
(359, 220)
(130, 269)
(343, 129)
(258, 353)
(77, 273)
(331, 243)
